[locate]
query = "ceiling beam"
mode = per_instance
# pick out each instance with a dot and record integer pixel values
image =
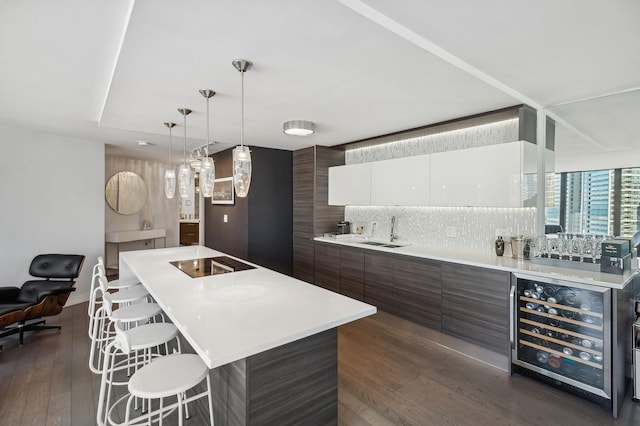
(400, 30)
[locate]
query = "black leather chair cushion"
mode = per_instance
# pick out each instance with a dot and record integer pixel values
(33, 292)
(56, 266)
(9, 294)
(12, 307)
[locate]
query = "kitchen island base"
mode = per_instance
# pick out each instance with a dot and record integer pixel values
(296, 383)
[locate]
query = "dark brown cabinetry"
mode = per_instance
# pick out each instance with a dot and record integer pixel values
(327, 266)
(312, 214)
(475, 305)
(189, 233)
(417, 291)
(464, 301)
(378, 281)
(352, 272)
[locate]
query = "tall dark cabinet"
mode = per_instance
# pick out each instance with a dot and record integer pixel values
(312, 215)
(258, 227)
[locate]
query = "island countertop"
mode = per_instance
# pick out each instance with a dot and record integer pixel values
(232, 316)
(491, 261)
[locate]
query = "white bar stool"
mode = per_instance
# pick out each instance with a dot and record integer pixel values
(172, 375)
(140, 341)
(101, 333)
(99, 271)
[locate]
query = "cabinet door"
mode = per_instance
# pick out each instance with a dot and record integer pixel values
(352, 272)
(350, 185)
(475, 305)
(487, 176)
(400, 182)
(327, 266)
(417, 290)
(378, 281)
(189, 233)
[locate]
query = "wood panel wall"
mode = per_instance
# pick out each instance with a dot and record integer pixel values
(312, 215)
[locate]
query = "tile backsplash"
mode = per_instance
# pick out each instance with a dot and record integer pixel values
(481, 135)
(474, 227)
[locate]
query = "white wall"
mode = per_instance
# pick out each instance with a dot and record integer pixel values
(52, 195)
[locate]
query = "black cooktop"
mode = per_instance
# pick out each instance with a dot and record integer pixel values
(202, 267)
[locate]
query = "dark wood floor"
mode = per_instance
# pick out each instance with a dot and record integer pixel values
(390, 373)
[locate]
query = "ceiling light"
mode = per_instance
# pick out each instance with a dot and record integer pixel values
(207, 168)
(299, 127)
(170, 173)
(144, 143)
(184, 171)
(241, 153)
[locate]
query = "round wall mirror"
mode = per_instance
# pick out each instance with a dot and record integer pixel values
(126, 193)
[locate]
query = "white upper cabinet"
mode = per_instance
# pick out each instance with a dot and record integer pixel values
(400, 182)
(350, 185)
(502, 175)
(487, 176)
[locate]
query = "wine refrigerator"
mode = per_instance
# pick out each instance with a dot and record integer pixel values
(561, 334)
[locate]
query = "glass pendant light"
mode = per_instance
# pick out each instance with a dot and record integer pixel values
(170, 173)
(241, 153)
(207, 168)
(184, 171)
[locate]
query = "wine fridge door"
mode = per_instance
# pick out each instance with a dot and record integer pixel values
(562, 330)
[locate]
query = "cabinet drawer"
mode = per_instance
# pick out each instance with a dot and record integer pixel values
(189, 233)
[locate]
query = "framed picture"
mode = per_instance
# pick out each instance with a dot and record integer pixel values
(223, 191)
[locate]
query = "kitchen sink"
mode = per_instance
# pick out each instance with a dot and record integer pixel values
(373, 243)
(387, 245)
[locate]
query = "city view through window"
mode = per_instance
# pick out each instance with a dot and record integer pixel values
(600, 202)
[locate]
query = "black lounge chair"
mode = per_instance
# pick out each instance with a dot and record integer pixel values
(23, 308)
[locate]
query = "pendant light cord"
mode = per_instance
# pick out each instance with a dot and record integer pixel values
(242, 111)
(206, 151)
(184, 153)
(170, 154)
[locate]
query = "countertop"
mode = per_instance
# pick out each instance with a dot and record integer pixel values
(233, 316)
(492, 261)
(136, 235)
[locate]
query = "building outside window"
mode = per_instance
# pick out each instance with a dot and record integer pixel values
(600, 202)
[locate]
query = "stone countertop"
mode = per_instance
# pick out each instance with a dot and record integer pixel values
(491, 261)
(235, 315)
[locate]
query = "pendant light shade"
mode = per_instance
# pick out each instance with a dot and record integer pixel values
(207, 167)
(170, 173)
(241, 154)
(184, 171)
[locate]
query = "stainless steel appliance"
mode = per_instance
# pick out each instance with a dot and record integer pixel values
(561, 334)
(344, 227)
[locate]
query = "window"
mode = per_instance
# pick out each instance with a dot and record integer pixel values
(601, 202)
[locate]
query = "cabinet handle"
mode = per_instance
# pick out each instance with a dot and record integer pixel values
(512, 315)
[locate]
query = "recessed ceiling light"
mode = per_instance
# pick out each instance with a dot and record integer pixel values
(144, 143)
(298, 127)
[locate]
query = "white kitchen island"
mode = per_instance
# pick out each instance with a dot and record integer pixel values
(270, 340)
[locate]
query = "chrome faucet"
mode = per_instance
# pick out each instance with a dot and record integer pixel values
(393, 225)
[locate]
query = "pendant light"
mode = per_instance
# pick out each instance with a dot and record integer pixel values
(207, 167)
(241, 153)
(170, 173)
(184, 171)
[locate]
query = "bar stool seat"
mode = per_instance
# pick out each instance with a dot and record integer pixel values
(136, 313)
(150, 335)
(167, 376)
(129, 295)
(171, 375)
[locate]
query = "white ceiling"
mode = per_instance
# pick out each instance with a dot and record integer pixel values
(114, 71)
